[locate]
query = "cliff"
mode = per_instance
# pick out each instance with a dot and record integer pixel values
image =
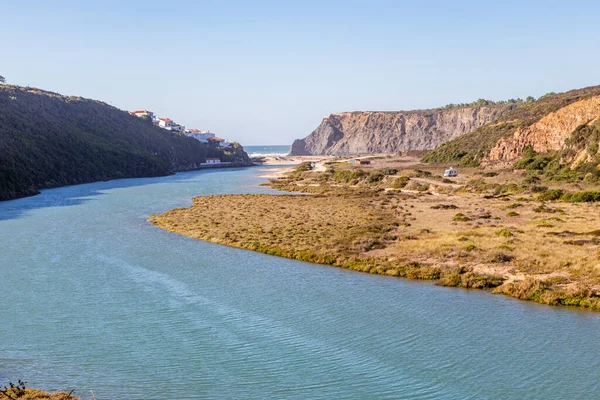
(49, 140)
(545, 126)
(550, 133)
(387, 132)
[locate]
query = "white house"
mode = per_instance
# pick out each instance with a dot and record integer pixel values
(178, 128)
(199, 135)
(144, 113)
(222, 142)
(166, 123)
(169, 125)
(213, 161)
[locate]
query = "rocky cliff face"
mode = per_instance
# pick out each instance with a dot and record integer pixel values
(387, 132)
(549, 124)
(549, 133)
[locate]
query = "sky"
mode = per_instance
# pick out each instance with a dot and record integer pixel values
(267, 72)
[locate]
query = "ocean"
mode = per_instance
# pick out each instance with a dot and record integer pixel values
(266, 150)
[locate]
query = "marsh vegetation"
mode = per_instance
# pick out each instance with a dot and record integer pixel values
(484, 231)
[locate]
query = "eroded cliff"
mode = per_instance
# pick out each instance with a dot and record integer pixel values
(546, 125)
(387, 132)
(549, 133)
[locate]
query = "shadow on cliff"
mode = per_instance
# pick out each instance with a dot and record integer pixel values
(67, 196)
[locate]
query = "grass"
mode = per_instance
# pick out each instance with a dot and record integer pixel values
(369, 225)
(34, 394)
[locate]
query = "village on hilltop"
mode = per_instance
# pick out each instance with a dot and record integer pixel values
(170, 125)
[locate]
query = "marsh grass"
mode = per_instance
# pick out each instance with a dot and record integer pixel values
(367, 225)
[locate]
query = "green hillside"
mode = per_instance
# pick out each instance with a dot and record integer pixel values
(49, 140)
(471, 148)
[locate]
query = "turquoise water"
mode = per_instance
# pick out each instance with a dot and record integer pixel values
(95, 298)
(260, 151)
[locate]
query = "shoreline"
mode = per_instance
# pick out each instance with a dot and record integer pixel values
(38, 191)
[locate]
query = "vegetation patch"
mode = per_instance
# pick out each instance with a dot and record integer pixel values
(20, 392)
(444, 207)
(460, 217)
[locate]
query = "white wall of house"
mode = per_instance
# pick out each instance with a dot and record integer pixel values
(150, 114)
(166, 124)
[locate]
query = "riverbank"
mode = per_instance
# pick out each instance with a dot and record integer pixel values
(474, 231)
(34, 394)
(37, 191)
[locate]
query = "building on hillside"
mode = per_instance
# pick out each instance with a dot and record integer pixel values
(199, 135)
(169, 125)
(222, 142)
(144, 113)
(178, 128)
(213, 161)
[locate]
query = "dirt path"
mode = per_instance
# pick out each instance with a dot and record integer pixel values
(436, 183)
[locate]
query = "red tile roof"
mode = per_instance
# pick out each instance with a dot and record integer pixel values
(166, 119)
(218, 139)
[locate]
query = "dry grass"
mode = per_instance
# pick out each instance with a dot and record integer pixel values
(34, 394)
(369, 225)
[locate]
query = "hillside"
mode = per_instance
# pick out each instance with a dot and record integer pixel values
(389, 132)
(548, 125)
(49, 140)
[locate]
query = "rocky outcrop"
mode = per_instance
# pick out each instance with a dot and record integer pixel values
(549, 133)
(388, 132)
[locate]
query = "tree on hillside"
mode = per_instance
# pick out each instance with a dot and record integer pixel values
(530, 99)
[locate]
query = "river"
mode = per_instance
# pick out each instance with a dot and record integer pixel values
(96, 298)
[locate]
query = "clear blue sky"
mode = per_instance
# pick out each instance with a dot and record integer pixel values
(266, 72)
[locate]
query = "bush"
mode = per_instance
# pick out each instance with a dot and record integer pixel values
(582, 197)
(444, 207)
(538, 189)
(505, 233)
(502, 258)
(303, 167)
(550, 195)
(400, 182)
(346, 176)
(542, 208)
(461, 217)
(375, 177)
(388, 171)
